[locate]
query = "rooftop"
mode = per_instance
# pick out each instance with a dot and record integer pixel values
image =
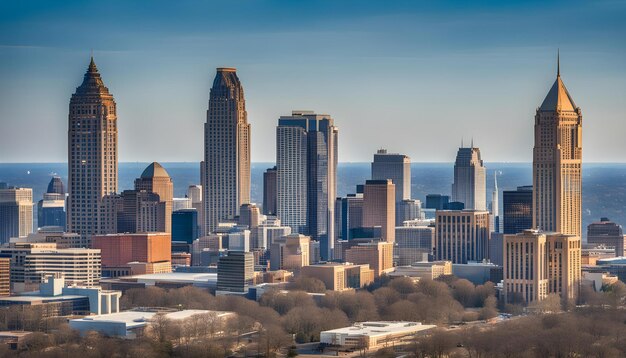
(380, 328)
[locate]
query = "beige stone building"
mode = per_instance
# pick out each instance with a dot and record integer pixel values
(379, 207)
(226, 169)
(557, 163)
(155, 179)
(290, 252)
(378, 254)
(340, 276)
(462, 235)
(537, 264)
(92, 157)
(16, 213)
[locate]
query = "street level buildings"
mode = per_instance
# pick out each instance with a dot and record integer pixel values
(226, 169)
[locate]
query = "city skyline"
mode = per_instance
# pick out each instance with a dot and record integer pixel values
(495, 81)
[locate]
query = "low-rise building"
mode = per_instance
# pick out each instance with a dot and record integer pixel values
(340, 276)
(132, 324)
(424, 269)
(373, 335)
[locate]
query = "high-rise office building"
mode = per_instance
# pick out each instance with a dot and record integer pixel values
(462, 235)
(437, 201)
(557, 162)
(194, 194)
(16, 213)
(348, 214)
(378, 254)
(608, 234)
(379, 207)
(148, 208)
(185, 225)
(413, 244)
(156, 180)
(406, 210)
(226, 170)
(306, 164)
(249, 215)
(517, 206)
(396, 167)
(269, 191)
(51, 209)
(537, 264)
(235, 272)
(469, 185)
(92, 157)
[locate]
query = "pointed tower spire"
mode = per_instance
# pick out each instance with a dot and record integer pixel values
(558, 62)
(472, 143)
(495, 180)
(92, 65)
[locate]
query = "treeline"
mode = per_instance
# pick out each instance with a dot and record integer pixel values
(584, 332)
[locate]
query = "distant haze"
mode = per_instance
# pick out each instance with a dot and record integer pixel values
(414, 77)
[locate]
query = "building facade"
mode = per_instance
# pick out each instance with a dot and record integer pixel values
(270, 191)
(92, 157)
(306, 164)
(537, 264)
(51, 209)
(290, 252)
(462, 235)
(235, 272)
(557, 163)
(379, 207)
(185, 225)
(226, 169)
(413, 244)
(470, 186)
(396, 167)
(16, 213)
(517, 209)
(608, 234)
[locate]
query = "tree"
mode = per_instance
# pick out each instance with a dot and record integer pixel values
(308, 284)
(489, 309)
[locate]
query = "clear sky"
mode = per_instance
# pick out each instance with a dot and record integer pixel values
(412, 76)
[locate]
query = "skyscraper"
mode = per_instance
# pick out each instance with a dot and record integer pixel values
(155, 179)
(469, 185)
(462, 235)
(517, 208)
(16, 213)
(226, 173)
(92, 157)
(557, 162)
(607, 233)
(379, 208)
(396, 167)
(306, 163)
(51, 209)
(269, 191)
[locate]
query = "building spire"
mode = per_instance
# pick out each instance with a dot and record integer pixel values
(472, 143)
(558, 62)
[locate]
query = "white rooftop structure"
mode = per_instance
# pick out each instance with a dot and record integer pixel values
(372, 334)
(129, 323)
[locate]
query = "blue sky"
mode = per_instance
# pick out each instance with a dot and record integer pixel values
(412, 76)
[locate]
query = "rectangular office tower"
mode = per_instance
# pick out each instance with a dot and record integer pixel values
(518, 209)
(537, 264)
(269, 191)
(608, 234)
(235, 272)
(462, 235)
(379, 207)
(470, 186)
(16, 213)
(226, 169)
(396, 167)
(92, 157)
(306, 164)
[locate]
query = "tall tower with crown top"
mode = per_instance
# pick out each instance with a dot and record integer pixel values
(92, 157)
(557, 162)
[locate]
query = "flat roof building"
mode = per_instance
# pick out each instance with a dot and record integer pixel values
(372, 335)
